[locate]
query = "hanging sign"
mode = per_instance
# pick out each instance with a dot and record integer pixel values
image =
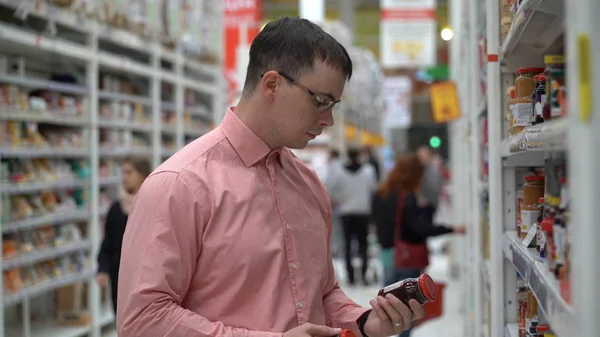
(408, 33)
(444, 102)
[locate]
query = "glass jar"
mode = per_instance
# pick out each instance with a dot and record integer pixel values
(552, 62)
(421, 289)
(540, 99)
(533, 190)
(522, 112)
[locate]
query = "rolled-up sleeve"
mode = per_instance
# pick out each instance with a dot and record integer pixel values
(161, 244)
(340, 310)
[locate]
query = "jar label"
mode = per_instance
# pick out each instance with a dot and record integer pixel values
(522, 114)
(528, 219)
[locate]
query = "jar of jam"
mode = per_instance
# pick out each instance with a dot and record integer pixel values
(522, 112)
(533, 190)
(421, 289)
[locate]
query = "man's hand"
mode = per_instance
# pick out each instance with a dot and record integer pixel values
(312, 330)
(102, 279)
(390, 316)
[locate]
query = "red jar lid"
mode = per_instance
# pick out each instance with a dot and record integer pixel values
(529, 70)
(534, 178)
(541, 77)
(542, 328)
(428, 287)
(347, 333)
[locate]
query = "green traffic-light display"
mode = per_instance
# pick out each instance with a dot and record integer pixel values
(435, 142)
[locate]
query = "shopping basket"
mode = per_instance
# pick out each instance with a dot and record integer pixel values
(434, 309)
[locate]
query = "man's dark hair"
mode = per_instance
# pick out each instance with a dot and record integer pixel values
(292, 45)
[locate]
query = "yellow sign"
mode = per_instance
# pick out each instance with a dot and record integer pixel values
(444, 102)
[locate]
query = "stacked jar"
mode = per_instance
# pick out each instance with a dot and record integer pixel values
(522, 107)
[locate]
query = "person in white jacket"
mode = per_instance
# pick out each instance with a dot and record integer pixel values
(351, 188)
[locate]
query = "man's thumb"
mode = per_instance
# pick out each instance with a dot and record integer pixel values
(323, 330)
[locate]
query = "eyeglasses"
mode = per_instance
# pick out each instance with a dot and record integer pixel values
(323, 104)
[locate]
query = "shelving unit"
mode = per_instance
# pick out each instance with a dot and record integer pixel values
(508, 275)
(76, 97)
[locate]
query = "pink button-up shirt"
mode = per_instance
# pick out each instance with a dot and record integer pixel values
(229, 238)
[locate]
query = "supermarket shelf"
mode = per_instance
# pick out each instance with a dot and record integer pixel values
(105, 181)
(52, 329)
(45, 220)
(29, 187)
(46, 286)
(47, 152)
(34, 83)
(511, 330)
(485, 271)
(536, 26)
(107, 316)
(40, 255)
(542, 283)
(528, 147)
(125, 125)
(122, 152)
(16, 114)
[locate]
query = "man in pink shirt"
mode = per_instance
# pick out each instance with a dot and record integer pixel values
(230, 236)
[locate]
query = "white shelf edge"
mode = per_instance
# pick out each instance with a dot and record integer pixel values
(511, 330)
(542, 283)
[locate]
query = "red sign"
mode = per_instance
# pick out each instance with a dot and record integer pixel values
(242, 20)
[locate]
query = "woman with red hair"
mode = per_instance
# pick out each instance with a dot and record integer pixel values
(404, 221)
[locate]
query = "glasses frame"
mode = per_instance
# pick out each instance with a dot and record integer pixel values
(323, 104)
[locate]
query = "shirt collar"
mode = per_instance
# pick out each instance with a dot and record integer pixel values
(246, 143)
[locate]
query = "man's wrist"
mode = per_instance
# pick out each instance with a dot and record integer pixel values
(362, 320)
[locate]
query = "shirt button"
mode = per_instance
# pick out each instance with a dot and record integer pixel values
(300, 305)
(287, 226)
(294, 266)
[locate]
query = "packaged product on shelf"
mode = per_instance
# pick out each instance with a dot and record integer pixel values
(510, 97)
(522, 111)
(555, 167)
(555, 66)
(519, 208)
(533, 190)
(540, 99)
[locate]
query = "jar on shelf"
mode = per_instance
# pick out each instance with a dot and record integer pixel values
(533, 190)
(552, 62)
(522, 111)
(540, 99)
(510, 97)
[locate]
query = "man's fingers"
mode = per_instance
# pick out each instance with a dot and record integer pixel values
(401, 309)
(396, 318)
(383, 316)
(417, 309)
(322, 330)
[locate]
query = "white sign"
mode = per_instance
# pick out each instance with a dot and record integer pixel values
(397, 93)
(408, 33)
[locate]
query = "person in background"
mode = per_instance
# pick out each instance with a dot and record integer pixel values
(133, 173)
(352, 189)
(433, 180)
(337, 235)
(229, 237)
(416, 223)
(372, 159)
